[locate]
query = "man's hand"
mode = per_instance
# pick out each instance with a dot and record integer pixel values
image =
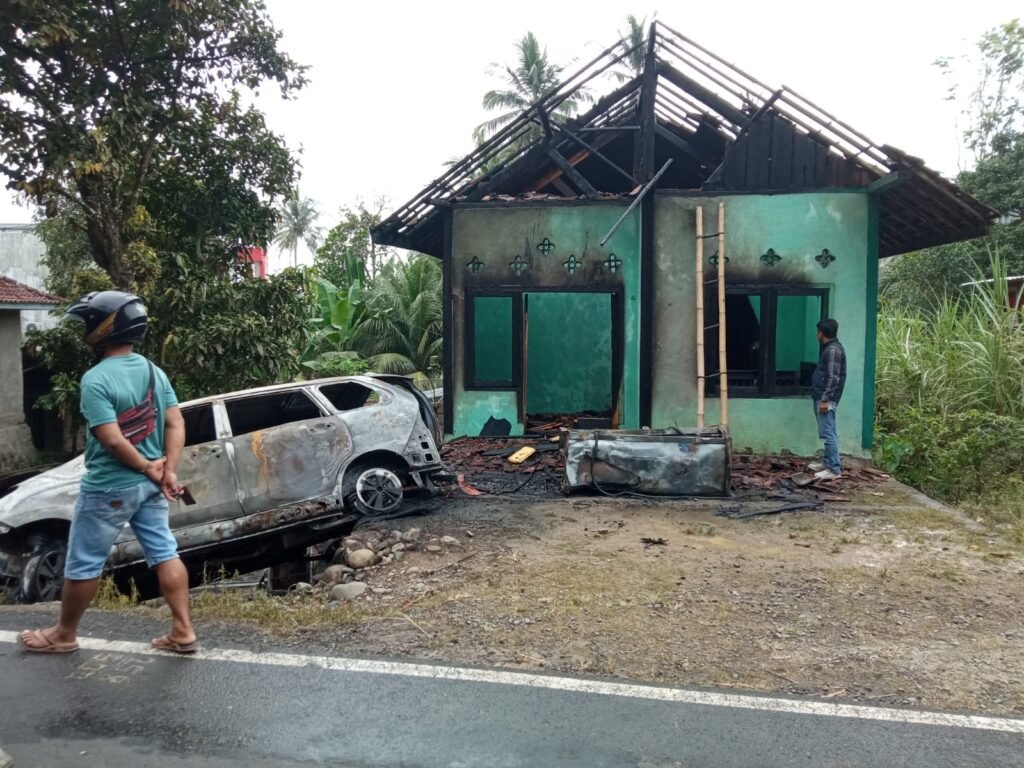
(823, 407)
(155, 470)
(171, 487)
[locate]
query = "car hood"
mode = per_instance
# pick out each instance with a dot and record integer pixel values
(47, 496)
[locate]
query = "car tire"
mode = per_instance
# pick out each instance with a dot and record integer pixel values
(374, 490)
(42, 578)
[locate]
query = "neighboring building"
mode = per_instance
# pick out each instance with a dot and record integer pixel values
(257, 257)
(543, 318)
(21, 254)
(16, 449)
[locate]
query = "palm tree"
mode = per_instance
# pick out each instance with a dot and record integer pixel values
(533, 76)
(297, 217)
(633, 46)
(401, 329)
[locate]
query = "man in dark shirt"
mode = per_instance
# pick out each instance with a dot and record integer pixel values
(826, 391)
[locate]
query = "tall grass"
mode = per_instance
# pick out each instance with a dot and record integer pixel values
(950, 387)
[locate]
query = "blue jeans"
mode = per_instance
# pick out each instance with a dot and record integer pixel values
(99, 518)
(827, 432)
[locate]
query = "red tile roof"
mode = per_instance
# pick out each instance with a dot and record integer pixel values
(13, 292)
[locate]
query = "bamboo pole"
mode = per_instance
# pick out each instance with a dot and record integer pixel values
(699, 279)
(723, 372)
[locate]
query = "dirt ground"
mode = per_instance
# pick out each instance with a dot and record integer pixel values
(881, 599)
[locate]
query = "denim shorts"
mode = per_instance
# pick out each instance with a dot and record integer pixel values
(99, 518)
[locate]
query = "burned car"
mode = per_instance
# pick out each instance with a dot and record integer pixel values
(269, 471)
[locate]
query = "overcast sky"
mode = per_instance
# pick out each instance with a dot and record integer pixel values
(395, 86)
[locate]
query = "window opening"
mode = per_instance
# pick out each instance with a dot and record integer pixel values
(348, 395)
(199, 424)
(273, 409)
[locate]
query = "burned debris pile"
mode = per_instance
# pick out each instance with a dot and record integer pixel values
(485, 465)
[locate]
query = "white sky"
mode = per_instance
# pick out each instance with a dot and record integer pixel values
(395, 86)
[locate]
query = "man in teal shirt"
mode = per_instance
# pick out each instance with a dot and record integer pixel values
(134, 438)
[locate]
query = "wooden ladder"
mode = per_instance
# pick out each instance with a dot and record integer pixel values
(702, 327)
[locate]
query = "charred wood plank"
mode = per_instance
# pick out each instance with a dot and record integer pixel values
(574, 176)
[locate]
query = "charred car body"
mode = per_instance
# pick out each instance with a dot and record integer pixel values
(270, 471)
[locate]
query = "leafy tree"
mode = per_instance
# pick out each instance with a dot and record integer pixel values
(93, 94)
(995, 111)
(298, 217)
(349, 240)
(401, 329)
(532, 77)
(994, 106)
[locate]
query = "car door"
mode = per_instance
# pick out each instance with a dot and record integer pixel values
(206, 469)
(286, 450)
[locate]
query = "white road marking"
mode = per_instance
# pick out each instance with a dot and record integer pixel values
(568, 684)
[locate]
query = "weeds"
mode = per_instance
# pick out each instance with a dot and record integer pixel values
(951, 400)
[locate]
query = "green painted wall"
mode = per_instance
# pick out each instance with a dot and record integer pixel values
(473, 408)
(569, 353)
(797, 227)
(493, 338)
(495, 234)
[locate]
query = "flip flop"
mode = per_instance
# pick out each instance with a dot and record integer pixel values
(46, 645)
(165, 643)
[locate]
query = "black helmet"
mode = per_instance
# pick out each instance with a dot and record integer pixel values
(110, 317)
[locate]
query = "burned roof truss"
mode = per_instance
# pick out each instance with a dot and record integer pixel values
(722, 130)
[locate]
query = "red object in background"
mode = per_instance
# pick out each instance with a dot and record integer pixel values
(257, 257)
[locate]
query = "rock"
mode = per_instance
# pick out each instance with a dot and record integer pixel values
(398, 547)
(449, 541)
(435, 549)
(343, 592)
(396, 535)
(413, 534)
(334, 573)
(301, 587)
(339, 556)
(388, 543)
(362, 558)
(388, 559)
(413, 570)
(351, 543)
(399, 554)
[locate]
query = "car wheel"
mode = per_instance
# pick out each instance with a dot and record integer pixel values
(43, 576)
(376, 491)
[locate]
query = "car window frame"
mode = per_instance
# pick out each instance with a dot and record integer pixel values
(228, 430)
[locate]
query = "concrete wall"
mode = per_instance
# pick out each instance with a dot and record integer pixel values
(20, 259)
(16, 449)
(495, 235)
(797, 227)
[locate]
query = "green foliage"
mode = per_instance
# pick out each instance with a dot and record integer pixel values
(633, 47)
(532, 77)
(994, 110)
(329, 351)
(221, 332)
(349, 243)
(298, 216)
(96, 99)
(950, 393)
(401, 331)
(994, 81)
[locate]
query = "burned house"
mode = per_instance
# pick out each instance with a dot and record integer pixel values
(570, 253)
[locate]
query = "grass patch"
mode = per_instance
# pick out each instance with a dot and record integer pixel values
(281, 615)
(109, 597)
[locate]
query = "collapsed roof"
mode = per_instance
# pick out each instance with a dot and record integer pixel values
(690, 121)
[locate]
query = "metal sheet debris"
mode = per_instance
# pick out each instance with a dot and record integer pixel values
(658, 462)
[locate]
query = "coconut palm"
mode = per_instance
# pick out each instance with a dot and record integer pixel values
(297, 223)
(633, 47)
(401, 329)
(533, 76)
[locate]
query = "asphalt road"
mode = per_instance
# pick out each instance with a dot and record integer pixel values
(113, 704)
